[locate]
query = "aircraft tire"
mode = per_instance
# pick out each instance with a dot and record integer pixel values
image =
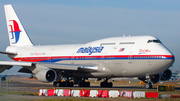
(148, 85)
(58, 84)
(55, 84)
(71, 84)
(84, 84)
(102, 84)
(87, 84)
(110, 84)
(106, 84)
(80, 84)
(63, 84)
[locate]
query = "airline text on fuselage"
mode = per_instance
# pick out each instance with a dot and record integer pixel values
(90, 50)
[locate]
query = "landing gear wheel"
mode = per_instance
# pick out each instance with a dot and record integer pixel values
(55, 84)
(103, 84)
(58, 84)
(80, 84)
(148, 85)
(84, 84)
(87, 84)
(63, 84)
(70, 84)
(110, 84)
(106, 84)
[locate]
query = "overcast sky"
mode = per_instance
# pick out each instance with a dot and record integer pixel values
(80, 21)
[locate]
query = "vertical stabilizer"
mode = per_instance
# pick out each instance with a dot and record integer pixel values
(16, 32)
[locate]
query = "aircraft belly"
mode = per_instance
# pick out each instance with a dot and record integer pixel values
(123, 68)
(85, 62)
(102, 71)
(90, 75)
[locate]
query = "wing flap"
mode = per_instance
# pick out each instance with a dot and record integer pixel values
(83, 68)
(77, 67)
(61, 66)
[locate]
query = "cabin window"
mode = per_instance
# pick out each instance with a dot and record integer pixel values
(107, 43)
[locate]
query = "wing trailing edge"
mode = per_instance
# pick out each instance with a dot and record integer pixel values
(84, 68)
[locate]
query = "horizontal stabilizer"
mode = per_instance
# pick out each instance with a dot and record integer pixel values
(25, 70)
(4, 67)
(8, 53)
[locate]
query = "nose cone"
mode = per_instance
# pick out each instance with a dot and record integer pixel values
(169, 59)
(168, 56)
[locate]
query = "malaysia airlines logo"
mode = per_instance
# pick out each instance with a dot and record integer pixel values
(15, 31)
(121, 49)
(90, 50)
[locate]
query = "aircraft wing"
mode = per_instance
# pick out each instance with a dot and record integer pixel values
(9, 64)
(76, 67)
(15, 63)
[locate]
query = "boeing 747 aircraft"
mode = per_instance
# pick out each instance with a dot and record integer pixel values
(144, 57)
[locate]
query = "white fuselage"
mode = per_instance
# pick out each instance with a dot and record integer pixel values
(115, 57)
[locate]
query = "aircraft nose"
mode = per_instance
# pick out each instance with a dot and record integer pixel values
(173, 58)
(170, 59)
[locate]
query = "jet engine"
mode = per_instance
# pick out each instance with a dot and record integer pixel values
(46, 75)
(166, 75)
(155, 78)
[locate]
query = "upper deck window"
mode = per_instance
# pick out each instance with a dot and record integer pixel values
(107, 43)
(127, 43)
(154, 41)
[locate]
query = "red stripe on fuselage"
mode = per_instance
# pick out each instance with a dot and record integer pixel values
(38, 59)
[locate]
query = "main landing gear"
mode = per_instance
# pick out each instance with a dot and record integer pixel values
(61, 83)
(83, 83)
(105, 83)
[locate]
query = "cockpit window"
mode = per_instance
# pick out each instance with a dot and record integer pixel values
(154, 41)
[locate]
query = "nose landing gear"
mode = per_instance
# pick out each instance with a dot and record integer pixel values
(148, 85)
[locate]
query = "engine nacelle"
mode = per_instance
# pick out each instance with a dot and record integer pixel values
(155, 78)
(166, 75)
(46, 75)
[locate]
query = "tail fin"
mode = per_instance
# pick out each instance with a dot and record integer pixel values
(16, 32)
